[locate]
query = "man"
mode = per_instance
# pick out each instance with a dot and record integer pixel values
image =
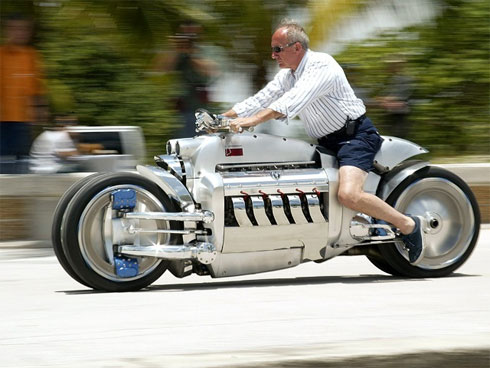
(194, 70)
(54, 150)
(313, 86)
(21, 91)
(396, 99)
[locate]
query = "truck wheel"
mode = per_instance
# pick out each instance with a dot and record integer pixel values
(450, 207)
(88, 228)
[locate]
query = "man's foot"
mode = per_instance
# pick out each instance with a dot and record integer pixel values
(414, 242)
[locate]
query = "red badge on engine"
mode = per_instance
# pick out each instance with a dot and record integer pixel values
(233, 151)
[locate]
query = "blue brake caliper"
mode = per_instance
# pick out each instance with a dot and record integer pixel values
(126, 267)
(124, 200)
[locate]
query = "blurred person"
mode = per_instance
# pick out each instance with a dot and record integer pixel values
(313, 86)
(353, 74)
(55, 150)
(21, 90)
(396, 99)
(195, 72)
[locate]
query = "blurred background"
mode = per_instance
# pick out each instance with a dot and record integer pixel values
(90, 85)
(421, 66)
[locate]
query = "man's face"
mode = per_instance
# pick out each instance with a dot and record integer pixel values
(18, 32)
(288, 57)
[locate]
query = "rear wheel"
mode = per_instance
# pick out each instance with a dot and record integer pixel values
(451, 210)
(90, 231)
(381, 264)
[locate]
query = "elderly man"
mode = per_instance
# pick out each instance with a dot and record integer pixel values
(313, 86)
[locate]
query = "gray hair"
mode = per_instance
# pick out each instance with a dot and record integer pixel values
(295, 32)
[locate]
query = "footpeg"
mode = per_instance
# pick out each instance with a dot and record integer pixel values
(362, 229)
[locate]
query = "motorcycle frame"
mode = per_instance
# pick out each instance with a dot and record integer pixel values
(192, 181)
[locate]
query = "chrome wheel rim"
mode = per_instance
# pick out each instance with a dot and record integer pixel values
(94, 227)
(450, 219)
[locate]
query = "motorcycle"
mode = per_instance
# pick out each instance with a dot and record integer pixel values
(226, 204)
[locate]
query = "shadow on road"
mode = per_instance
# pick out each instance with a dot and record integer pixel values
(314, 280)
(478, 358)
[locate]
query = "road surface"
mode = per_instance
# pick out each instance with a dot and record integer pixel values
(343, 312)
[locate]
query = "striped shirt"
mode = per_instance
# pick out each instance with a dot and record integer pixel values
(318, 92)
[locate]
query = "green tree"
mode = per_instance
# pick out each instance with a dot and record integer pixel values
(448, 60)
(98, 54)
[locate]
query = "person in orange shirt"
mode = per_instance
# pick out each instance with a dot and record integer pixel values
(21, 91)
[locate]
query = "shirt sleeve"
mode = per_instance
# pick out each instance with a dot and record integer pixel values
(315, 81)
(262, 99)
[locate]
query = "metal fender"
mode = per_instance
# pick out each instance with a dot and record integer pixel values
(170, 185)
(393, 179)
(395, 150)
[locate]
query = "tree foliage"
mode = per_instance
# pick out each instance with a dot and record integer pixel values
(98, 58)
(449, 63)
(98, 54)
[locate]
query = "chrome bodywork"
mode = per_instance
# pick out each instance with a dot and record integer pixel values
(256, 202)
(172, 186)
(396, 179)
(273, 201)
(393, 151)
(205, 253)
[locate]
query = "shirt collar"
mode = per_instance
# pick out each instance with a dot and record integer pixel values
(299, 70)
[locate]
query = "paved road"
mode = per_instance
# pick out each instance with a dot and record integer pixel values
(340, 313)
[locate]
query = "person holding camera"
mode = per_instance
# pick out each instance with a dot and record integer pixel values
(194, 72)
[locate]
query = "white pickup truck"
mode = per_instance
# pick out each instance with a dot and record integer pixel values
(88, 149)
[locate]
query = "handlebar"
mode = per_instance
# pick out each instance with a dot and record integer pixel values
(211, 123)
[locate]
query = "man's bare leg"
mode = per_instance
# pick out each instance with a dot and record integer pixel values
(352, 195)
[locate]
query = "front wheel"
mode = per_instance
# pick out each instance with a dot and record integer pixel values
(453, 217)
(57, 220)
(90, 232)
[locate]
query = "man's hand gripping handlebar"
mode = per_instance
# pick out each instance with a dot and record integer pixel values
(211, 123)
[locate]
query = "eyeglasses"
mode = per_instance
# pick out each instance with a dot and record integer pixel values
(278, 49)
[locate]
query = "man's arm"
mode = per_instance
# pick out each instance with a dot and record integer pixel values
(230, 114)
(262, 99)
(261, 117)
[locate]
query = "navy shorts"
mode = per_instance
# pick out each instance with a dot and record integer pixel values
(356, 150)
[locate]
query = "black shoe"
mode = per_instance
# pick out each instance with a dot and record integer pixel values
(414, 242)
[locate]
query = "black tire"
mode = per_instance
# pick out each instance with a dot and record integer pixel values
(56, 225)
(382, 265)
(447, 200)
(87, 257)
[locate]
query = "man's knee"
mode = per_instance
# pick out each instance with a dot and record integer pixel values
(348, 197)
(351, 182)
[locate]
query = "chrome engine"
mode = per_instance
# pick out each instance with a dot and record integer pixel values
(278, 196)
(268, 194)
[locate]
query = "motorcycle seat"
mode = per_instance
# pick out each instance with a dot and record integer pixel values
(325, 151)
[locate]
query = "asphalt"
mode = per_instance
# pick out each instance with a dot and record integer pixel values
(342, 313)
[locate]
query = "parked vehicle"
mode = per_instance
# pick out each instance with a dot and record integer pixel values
(225, 204)
(108, 148)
